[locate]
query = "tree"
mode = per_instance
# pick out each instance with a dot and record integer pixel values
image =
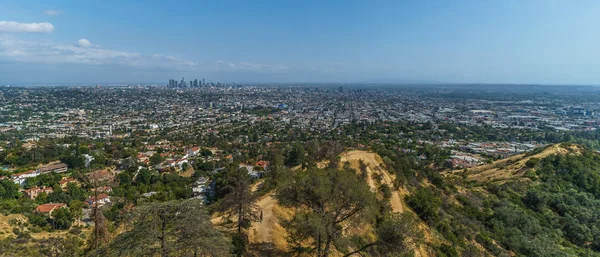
(325, 203)
(8, 189)
(362, 166)
(100, 234)
(62, 218)
(205, 152)
(532, 162)
(295, 156)
(275, 170)
(42, 198)
(74, 162)
(173, 228)
(76, 192)
(239, 202)
(59, 196)
(156, 159)
(76, 208)
(426, 204)
(395, 234)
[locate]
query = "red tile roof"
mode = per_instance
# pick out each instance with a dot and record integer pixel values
(100, 197)
(67, 180)
(49, 207)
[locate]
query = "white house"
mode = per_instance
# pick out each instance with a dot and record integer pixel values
(20, 178)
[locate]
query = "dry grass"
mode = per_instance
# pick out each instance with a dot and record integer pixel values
(514, 167)
(269, 231)
(375, 166)
(6, 229)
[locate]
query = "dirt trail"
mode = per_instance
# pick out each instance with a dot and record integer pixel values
(267, 236)
(263, 231)
(395, 201)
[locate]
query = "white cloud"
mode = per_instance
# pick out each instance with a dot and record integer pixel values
(47, 52)
(87, 53)
(85, 43)
(53, 12)
(13, 26)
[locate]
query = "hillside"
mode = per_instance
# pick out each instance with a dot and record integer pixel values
(515, 167)
(268, 237)
(542, 203)
(374, 166)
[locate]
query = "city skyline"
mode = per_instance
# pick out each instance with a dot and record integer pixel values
(534, 42)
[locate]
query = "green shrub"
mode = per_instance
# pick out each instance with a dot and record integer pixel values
(532, 162)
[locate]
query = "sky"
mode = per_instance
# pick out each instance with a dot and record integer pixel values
(517, 42)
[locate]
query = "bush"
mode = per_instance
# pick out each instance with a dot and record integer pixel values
(38, 220)
(386, 191)
(75, 230)
(532, 162)
(447, 250)
(426, 204)
(240, 244)
(35, 229)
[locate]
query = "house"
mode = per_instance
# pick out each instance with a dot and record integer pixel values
(102, 199)
(33, 193)
(201, 188)
(178, 163)
(254, 174)
(56, 168)
(65, 181)
(193, 151)
(20, 178)
(101, 176)
(102, 189)
(88, 159)
(28, 145)
(149, 194)
(262, 164)
(48, 208)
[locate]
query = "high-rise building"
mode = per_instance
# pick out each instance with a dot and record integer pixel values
(195, 82)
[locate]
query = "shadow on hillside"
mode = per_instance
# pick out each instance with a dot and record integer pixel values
(264, 249)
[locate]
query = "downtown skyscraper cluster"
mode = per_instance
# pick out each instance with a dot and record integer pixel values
(185, 84)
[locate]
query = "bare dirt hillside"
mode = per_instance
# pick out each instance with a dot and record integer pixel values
(374, 166)
(268, 237)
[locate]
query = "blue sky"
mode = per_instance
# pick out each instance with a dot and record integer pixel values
(541, 42)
